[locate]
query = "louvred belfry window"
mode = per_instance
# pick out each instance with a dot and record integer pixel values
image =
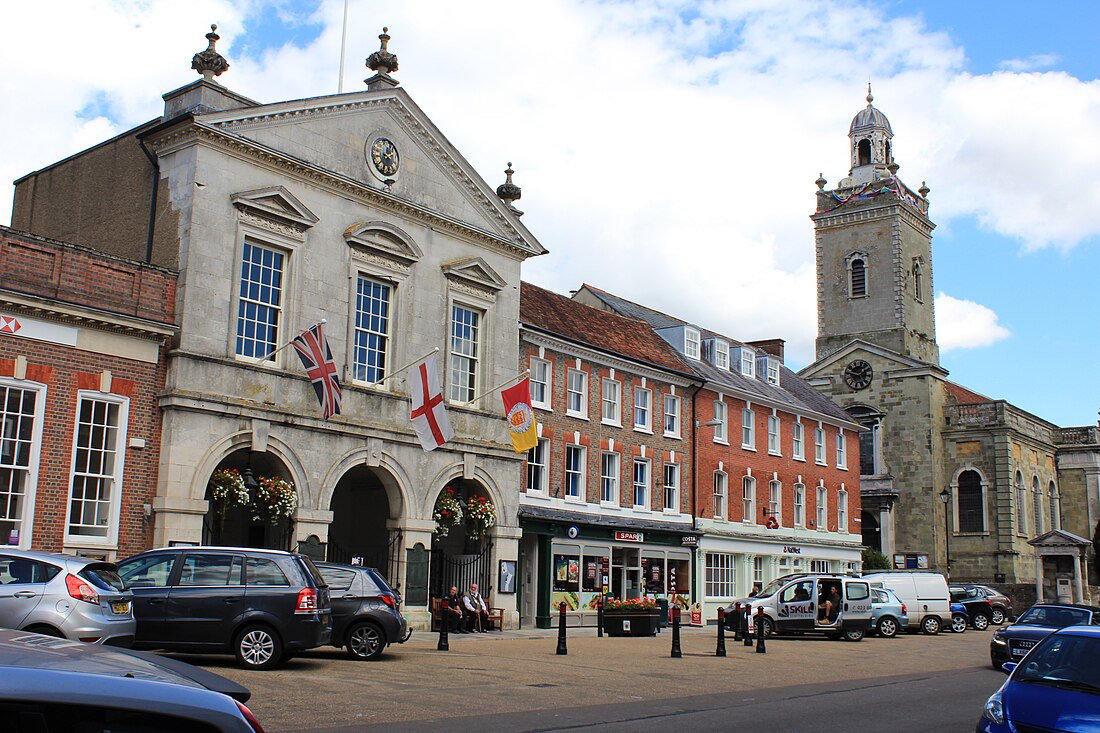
(859, 278)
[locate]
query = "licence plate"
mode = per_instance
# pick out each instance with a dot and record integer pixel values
(1021, 648)
(120, 607)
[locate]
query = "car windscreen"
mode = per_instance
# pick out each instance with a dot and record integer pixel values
(1063, 658)
(1053, 616)
(771, 588)
(105, 576)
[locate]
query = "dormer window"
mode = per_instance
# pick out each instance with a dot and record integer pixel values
(773, 370)
(857, 278)
(748, 363)
(691, 343)
(721, 354)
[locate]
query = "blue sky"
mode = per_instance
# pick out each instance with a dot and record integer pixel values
(667, 149)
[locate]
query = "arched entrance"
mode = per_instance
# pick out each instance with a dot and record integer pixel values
(250, 524)
(461, 556)
(872, 533)
(358, 534)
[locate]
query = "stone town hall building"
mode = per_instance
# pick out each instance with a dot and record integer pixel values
(950, 479)
(353, 208)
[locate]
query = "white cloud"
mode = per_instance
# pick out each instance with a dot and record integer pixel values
(1031, 63)
(964, 324)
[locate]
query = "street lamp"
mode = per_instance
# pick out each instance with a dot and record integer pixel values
(945, 497)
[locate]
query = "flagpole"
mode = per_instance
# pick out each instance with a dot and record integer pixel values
(503, 384)
(321, 322)
(395, 372)
(343, 49)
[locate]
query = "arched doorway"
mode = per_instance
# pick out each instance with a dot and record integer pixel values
(461, 555)
(233, 524)
(358, 534)
(872, 532)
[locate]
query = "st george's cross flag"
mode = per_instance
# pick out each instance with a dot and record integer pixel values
(521, 419)
(313, 350)
(429, 415)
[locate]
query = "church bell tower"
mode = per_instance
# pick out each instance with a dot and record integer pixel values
(873, 242)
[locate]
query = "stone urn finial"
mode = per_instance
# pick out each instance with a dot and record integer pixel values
(210, 63)
(820, 181)
(382, 60)
(924, 190)
(509, 192)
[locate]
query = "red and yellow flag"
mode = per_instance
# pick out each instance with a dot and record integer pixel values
(520, 416)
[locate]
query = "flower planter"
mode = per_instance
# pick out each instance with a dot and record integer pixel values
(631, 623)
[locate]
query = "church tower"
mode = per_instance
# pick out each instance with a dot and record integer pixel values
(873, 241)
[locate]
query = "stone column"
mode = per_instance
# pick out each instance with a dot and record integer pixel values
(1078, 589)
(310, 522)
(1039, 577)
(414, 531)
(886, 530)
(177, 519)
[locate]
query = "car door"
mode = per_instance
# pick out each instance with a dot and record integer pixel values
(23, 585)
(148, 578)
(346, 593)
(207, 596)
(796, 606)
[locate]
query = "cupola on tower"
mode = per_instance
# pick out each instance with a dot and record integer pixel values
(873, 241)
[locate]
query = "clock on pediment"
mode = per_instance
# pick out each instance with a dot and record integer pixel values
(857, 374)
(382, 157)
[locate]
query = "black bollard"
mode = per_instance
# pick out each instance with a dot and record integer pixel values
(720, 651)
(676, 653)
(599, 616)
(746, 637)
(760, 631)
(444, 619)
(561, 630)
(737, 622)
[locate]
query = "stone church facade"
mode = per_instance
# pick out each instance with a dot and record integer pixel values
(354, 209)
(950, 479)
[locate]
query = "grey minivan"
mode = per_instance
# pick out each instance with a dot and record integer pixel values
(72, 597)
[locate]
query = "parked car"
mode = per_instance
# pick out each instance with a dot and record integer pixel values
(925, 594)
(1056, 687)
(888, 614)
(978, 608)
(53, 684)
(1011, 643)
(366, 612)
(65, 595)
(793, 603)
(959, 618)
(1002, 604)
(264, 606)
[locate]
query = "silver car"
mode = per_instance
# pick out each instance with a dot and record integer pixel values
(63, 595)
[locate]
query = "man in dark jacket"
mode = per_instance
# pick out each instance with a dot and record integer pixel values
(454, 613)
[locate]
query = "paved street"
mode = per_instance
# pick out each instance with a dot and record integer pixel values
(516, 681)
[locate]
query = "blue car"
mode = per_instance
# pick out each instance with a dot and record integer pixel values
(1011, 643)
(1055, 688)
(888, 614)
(960, 619)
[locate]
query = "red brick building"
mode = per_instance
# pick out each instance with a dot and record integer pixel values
(83, 337)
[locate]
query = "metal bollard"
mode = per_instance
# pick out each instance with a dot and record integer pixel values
(720, 651)
(444, 620)
(561, 630)
(760, 631)
(746, 637)
(599, 616)
(676, 653)
(737, 622)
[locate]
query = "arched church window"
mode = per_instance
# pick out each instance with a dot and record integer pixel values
(1055, 506)
(971, 502)
(864, 152)
(870, 440)
(918, 281)
(1021, 507)
(1037, 496)
(858, 275)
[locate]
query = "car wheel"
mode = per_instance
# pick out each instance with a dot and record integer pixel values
(258, 647)
(853, 634)
(998, 616)
(958, 623)
(767, 623)
(365, 641)
(931, 625)
(46, 631)
(981, 622)
(887, 627)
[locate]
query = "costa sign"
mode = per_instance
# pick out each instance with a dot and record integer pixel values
(629, 536)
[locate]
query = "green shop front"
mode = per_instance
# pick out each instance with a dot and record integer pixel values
(574, 558)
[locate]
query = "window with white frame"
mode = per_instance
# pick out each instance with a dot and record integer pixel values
(748, 429)
(96, 479)
(672, 486)
(822, 508)
(748, 362)
(842, 511)
(541, 386)
(576, 393)
(721, 354)
(612, 402)
(841, 449)
(721, 484)
(609, 478)
(22, 406)
(574, 471)
(672, 415)
(641, 483)
(260, 301)
(819, 566)
(370, 350)
(799, 505)
(798, 443)
(758, 571)
(538, 474)
(643, 409)
(465, 352)
(720, 580)
(773, 371)
(721, 430)
(775, 498)
(691, 343)
(748, 499)
(819, 446)
(773, 434)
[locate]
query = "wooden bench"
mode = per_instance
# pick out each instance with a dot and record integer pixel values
(495, 615)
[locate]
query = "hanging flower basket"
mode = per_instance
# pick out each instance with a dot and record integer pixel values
(226, 490)
(480, 516)
(274, 499)
(447, 513)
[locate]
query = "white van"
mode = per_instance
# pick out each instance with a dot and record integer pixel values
(804, 603)
(925, 595)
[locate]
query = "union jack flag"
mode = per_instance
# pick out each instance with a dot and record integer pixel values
(313, 350)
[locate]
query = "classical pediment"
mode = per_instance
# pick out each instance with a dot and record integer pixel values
(275, 203)
(474, 272)
(857, 348)
(1059, 538)
(382, 239)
